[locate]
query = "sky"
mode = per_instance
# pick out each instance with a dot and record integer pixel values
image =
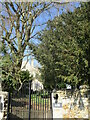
(50, 15)
(44, 17)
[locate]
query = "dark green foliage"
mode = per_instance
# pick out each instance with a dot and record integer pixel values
(25, 76)
(64, 49)
(9, 84)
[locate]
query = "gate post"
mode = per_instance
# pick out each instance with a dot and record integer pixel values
(8, 109)
(50, 100)
(29, 98)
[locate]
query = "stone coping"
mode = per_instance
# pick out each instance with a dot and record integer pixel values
(64, 93)
(3, 93)
(73, 90)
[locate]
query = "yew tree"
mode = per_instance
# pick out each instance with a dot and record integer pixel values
(64, 49)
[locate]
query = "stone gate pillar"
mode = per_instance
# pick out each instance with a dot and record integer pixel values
(72, 103)
(3, 103)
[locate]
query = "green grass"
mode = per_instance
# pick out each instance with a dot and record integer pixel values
(37, 99)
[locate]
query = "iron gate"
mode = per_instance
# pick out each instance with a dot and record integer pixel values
(27, 104)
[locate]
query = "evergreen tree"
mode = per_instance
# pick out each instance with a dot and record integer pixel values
(64, 47)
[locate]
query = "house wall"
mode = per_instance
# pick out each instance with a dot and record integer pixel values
(36, 85)
(71, 104)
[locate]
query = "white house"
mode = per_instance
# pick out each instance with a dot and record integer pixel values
(36, 84)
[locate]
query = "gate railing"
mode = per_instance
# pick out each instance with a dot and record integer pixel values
(30, 104)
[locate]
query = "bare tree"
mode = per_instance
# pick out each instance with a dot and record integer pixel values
(17, 24)
(18, 29)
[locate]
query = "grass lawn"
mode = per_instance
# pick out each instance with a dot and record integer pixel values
(39, 99)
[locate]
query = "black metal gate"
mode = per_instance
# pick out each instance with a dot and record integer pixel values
(27, 104)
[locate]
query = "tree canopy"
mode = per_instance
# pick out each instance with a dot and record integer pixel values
(64, 44)
(17, 25)
(19, 28)
(64, 49)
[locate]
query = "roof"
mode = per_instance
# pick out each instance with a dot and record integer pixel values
(27, 66)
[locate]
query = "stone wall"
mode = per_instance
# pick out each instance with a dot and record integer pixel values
(71, 103)
(3, 104)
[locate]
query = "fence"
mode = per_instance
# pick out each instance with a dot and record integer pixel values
(27, 104)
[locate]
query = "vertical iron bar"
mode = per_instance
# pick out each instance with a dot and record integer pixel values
(40, 99)
(8, 107)
(11, 106)
(22, 102)
(38, 102)
(29, 99)
(50, 101)
(43, 103)
(32, 99)
(34, 104)
(36, 99)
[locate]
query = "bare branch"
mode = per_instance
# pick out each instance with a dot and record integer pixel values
(41, 10)
(11, 4)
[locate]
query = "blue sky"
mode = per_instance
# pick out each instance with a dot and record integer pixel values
(49, 15)
(44, 17)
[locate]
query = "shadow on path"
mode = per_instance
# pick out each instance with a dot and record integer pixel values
(14, 117)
